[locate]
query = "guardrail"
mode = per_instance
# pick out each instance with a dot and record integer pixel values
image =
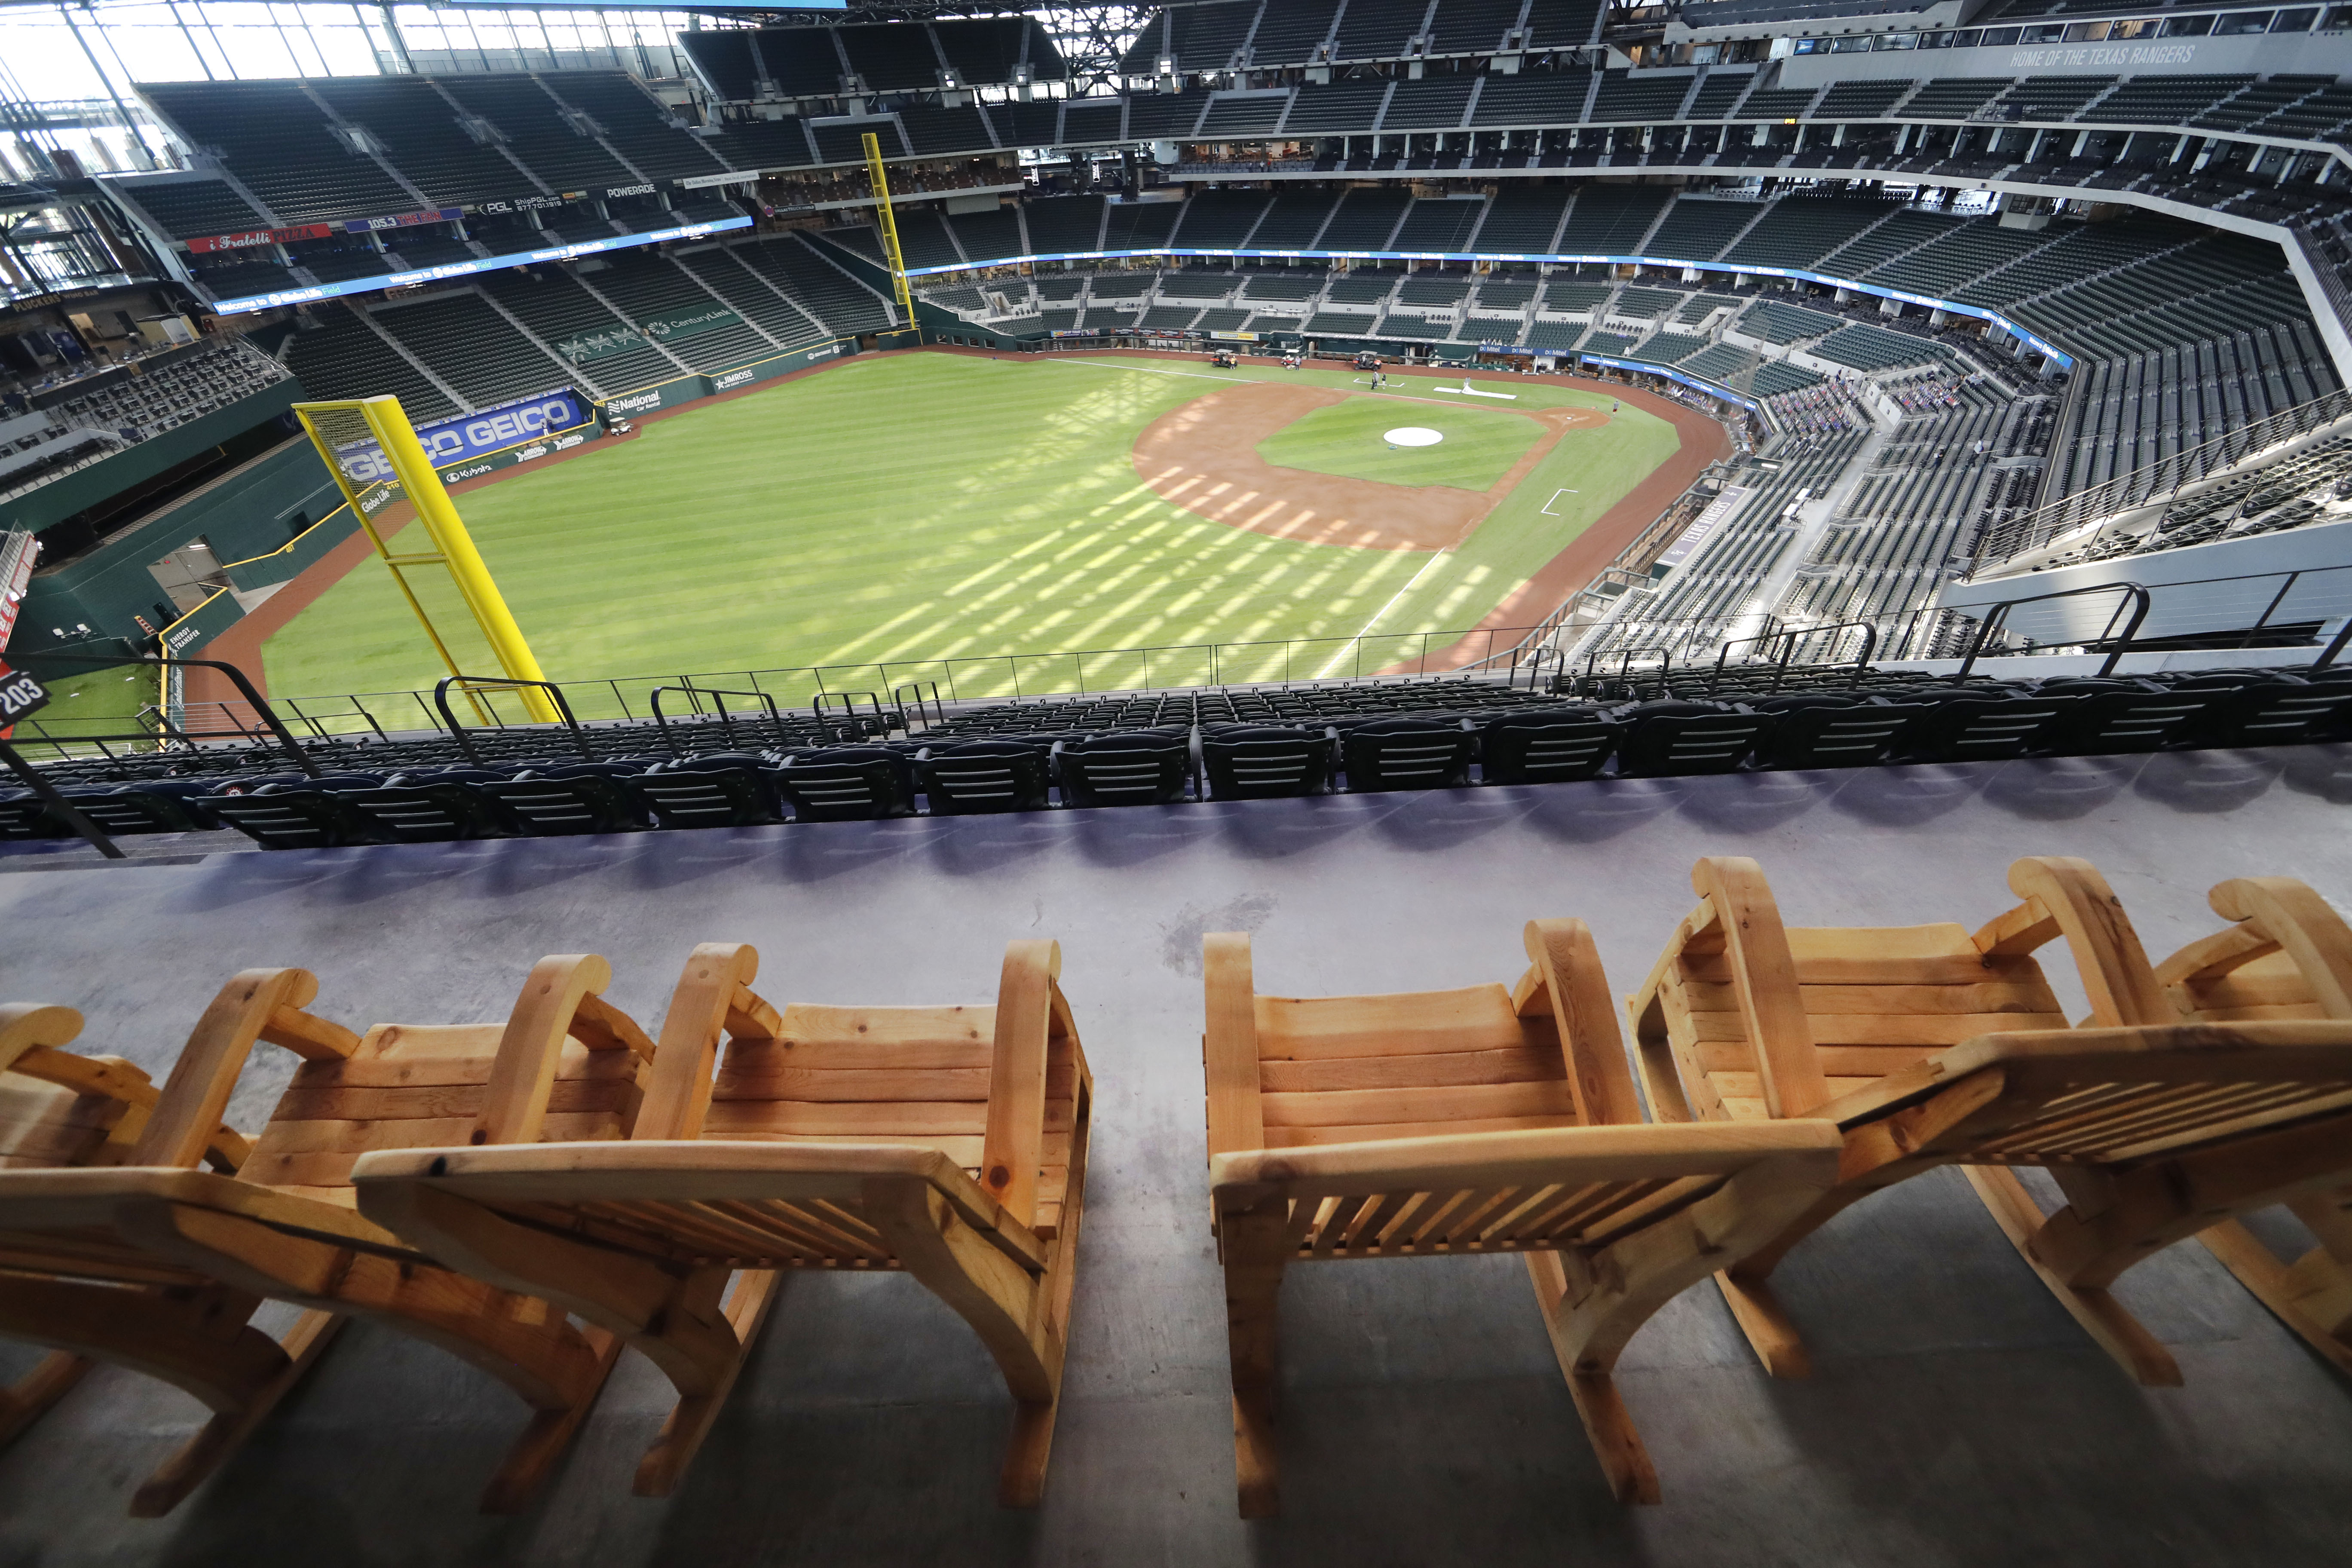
(2019, 536)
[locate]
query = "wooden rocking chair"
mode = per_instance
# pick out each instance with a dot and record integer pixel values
(59, 1110)
(2288, 955)
(1463, 1123)
(1927, 1046)
(155, 1264)
(947, 1142)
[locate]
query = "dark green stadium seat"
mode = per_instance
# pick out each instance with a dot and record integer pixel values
(1125, 768)
(1823, 731)
(1255, 762)
(847, 784)
(1406, 753)
(1552, 745)
(585, 797)
(969, 777)
(1670, 738)
(1988, 726)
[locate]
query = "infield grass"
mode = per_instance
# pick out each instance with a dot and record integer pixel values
(1478, 445)
(925, 515)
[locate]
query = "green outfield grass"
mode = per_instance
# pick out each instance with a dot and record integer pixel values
(949, 509)
(1479, 445)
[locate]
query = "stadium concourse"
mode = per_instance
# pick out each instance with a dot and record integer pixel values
(1277, 496)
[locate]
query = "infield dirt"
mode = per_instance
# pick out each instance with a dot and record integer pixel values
(1203, 457)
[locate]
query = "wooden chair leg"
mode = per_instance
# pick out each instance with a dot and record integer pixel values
(1770, 1332)
(1006, 1306)
(665, 1464)
(1615, 1441)
(2313, 1296)
(225, 1433)
(524, 1342)
(2117, 1333)
(1256, 1243)
(27, 1400)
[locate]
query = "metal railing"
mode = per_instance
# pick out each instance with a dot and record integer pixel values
(2020, 536)
(1996, 616)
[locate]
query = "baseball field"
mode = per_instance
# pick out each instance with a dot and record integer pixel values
(927, 514)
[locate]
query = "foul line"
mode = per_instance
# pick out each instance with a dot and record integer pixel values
(1359, 639)
(1235, 380)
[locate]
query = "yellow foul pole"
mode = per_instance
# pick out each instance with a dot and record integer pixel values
(889, 227)
(421, 483)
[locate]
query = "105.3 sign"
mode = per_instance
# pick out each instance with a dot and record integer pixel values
(20, 695)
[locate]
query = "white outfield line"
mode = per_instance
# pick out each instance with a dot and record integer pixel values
(1436, 556)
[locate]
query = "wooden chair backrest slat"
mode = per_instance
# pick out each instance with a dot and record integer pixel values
(900, 1075)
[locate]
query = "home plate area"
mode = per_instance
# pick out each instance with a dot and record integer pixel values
(1330, 467)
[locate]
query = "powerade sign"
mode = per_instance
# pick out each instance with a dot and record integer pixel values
(472, 436)
(2042, 345)
(242, 304)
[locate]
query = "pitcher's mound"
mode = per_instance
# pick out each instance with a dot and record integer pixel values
(1413, 436)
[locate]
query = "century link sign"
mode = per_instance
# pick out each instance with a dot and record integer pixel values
(689, 324)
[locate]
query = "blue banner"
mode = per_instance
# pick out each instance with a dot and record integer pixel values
(469, 435)
(467, 268)
(2031, 339)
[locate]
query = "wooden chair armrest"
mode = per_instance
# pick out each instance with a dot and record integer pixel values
(2298, 919)
(187, 1115)
(1229, 1045)
(549, 1009)
(2314, 1050)
(1565, 974)
(1566, 1156)
(713, 997)
(2067, 897)
(2210, 957)
(32, 1026)
(1015, 1142)
(1764, 983)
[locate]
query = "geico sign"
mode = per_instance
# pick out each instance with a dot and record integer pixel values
(503, 428)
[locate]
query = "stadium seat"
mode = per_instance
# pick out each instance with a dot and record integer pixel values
(847, 784)
(283, 817)
(1825, 730)
(969, 777)
(1254, 761)
(2153, 1128)
(875, 1172)
(152, 806)
(1988, 726)
(1670, 738)
(435, 807)
(1613, 1219)
(581, 797)
(2117, 716)
(1552, 745)
(1406, 753)
(704, 795)
(23, 814)
(1125, 768)
(2278, 711)
(270, 1220)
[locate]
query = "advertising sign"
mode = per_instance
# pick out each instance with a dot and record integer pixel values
(689, 324)
(471, 436)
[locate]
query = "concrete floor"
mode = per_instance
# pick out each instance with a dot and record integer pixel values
(1957, 1415)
